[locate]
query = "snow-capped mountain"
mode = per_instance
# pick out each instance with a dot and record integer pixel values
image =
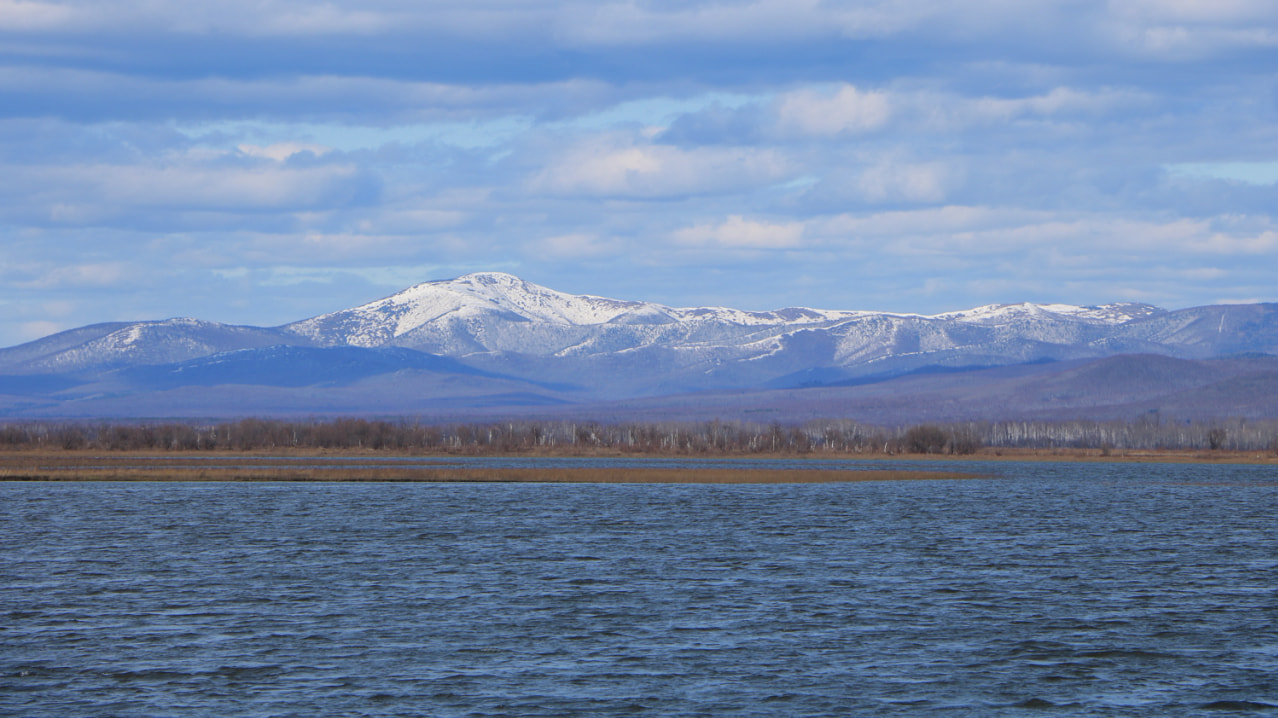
(498, 313)
(104, 346)
(622, 348)
(504, 330)
(495, 312)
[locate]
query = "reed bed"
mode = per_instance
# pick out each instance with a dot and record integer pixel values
(30, 467)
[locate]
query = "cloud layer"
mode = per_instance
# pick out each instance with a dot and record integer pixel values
(262, 162)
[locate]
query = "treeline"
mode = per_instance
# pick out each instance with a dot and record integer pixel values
(1148, 431)
(669, 438)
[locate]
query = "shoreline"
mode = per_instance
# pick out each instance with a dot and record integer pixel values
(240, 468)
(503, 476)
(1223, 456)
(344, 465)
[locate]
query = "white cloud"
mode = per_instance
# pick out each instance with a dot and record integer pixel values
(1059, 100)
(972, 232)
(410, 220)
(393, 277)
(607, 24)
(22, 15)
(1195, 11)
(30, 331)
(78, 276)
(281, 151)
(1181, 30)
(909, 182)
(347, 249)
(1230, 244)
(768, 21)
(948, 112)
(1031, 119)
(602, 169)
(847, 110)
(577, 246)
(380, 102)
(1201, 273)
(1260, 173)
(931, 220)
(321, 19)
(736, 232)
(631, 23)
(1092, 237)
(574, 23)
(241, 17)
(83, 192)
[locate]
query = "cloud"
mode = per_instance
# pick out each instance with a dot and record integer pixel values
(629, 23)
(1258, 173)
(848, 114)
(1060, 100)
(577, 246)
(986, 232)
(97, 275)
(321, 19)
(1181, 30)
(736, 232)
(22, 15)
(240, 17)
(281, 151)
(1196, 11)
(604, 169)
(890, 181)
(847, 110)
(931, 220)
(1220, 243)
(408, 220)
(574, 23)
(115, 190)
(96, 95)
(30, 331)
(905, 154)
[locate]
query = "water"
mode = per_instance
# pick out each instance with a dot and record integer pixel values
(1056, 589)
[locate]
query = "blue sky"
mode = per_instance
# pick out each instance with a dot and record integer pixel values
(261, 162)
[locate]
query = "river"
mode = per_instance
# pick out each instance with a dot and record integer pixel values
(1100, 589)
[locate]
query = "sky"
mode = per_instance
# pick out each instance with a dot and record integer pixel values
(263, 161)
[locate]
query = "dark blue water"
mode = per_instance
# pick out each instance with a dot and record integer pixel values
(1050, 589)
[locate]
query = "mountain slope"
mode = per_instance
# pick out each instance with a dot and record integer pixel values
(510, 338)
(104, 346)
(287, 366)
(487, 317)
(1112, 388)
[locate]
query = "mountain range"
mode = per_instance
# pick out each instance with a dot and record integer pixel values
(490, 344)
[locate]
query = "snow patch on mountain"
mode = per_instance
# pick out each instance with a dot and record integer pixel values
(615, 348)
(473, 299)
(1111, 314)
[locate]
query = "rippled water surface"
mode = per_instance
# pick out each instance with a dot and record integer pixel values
(1048, 589)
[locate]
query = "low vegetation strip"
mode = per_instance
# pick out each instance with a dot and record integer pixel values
(1147, 432)
(33, 468)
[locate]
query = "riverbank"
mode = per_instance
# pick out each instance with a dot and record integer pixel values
(17, 457)
(367, 465)
(353, 466)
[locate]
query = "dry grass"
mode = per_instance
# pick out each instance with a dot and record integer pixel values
(64, 466)
(1150, 456)
(366, 465)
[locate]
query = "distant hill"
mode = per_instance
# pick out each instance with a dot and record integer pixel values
(491, 343)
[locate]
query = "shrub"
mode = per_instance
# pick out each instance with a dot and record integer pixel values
(926, 439)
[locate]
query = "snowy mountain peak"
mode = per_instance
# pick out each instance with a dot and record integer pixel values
(471, 300)
(534, 302)
(495, 311)
(992, 314)
(595, 347)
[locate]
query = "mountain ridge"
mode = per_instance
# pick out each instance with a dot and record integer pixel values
(504, 336)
